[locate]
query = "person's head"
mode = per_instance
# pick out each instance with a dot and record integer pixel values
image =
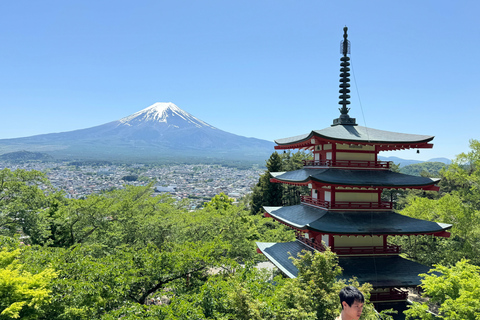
(352, 301)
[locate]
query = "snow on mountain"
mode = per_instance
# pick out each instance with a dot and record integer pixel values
(162, 130)
(164, 112)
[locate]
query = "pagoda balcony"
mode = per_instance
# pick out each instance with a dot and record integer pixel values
(346, 205)
(309, 242)
(367, 250)
(389, 249)
(347, 164)
(392, 294)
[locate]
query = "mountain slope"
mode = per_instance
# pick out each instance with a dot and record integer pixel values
(162, 130)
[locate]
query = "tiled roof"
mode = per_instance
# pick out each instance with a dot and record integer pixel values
(356, 222)
(279, 254)
(384, 271)
(354, 134)
(374, 178)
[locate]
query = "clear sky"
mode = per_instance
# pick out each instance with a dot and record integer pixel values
(259, 68)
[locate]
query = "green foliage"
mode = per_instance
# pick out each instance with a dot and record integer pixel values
(219, 202)
(291, 162)
(250, 293)
(462, 177)
(454, 290)
(92, 281)
(128, 216)
(465, 232)
(111, 255)
(424, 169)
(22, 294)
(314, 293)
(20, 156)
(459, 206)
(130, 178)
(20, 199)
(266, 193)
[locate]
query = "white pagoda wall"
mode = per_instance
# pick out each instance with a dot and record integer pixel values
(356, 197)
(352, 241)
(355, 156)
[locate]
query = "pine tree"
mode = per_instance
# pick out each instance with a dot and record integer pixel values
(291, 162)
(266, 193)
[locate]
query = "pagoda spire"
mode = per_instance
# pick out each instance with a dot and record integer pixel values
(344, 83)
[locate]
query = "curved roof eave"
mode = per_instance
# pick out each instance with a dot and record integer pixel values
(354, 178)
(386, 271)
(358, 134)
(351, 223)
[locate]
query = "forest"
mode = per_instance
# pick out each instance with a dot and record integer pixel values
(128, 254)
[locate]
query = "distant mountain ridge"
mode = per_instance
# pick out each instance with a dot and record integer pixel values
(160, 131)
(406, 162)
(25, 156)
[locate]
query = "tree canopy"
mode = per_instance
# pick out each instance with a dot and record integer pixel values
(131, 254)
(452, 291)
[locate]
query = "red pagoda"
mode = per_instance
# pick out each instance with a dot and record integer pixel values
(344, 210)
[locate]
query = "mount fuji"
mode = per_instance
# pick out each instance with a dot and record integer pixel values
(160, 132)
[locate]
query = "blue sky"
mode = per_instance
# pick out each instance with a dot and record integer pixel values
(264, 69)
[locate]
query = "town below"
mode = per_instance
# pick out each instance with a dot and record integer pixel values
(197, 182)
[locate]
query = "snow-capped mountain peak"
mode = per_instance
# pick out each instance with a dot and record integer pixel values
(161, 131)
(164, 112)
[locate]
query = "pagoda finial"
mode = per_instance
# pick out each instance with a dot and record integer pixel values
(344, 82)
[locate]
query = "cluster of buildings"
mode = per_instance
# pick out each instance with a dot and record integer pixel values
(198, 182)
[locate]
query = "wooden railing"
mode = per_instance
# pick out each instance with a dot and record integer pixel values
(388, 249)
(315, 202)
(309, 242)
(363, 250)
(392, 294)
(348, 163)
(384, 205)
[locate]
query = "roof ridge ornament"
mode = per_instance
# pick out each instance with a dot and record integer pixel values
(344, 83)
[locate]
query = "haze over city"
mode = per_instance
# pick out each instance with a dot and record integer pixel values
(266, 69)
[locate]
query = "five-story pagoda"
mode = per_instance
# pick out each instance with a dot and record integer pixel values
(344, 209)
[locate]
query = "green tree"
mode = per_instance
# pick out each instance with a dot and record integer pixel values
(290, 162)
(129, 216)
(219, 220)
(23, 295)
(465, 232)
(459, 205)
(314, 293)
(453, 290)
(91, 282)
(219, 202)
(462, 177)
(430, 169)
(21, 198)
(266, 193)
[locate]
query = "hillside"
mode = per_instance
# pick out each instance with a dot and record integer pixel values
(431, 168)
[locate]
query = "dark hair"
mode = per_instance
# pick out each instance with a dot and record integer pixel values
(350, 294)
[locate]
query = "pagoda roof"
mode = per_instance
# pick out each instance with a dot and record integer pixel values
(380, 271)
(357, 134)
(353, 222)
(357, 178)
(385, 271)
(279, 254)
